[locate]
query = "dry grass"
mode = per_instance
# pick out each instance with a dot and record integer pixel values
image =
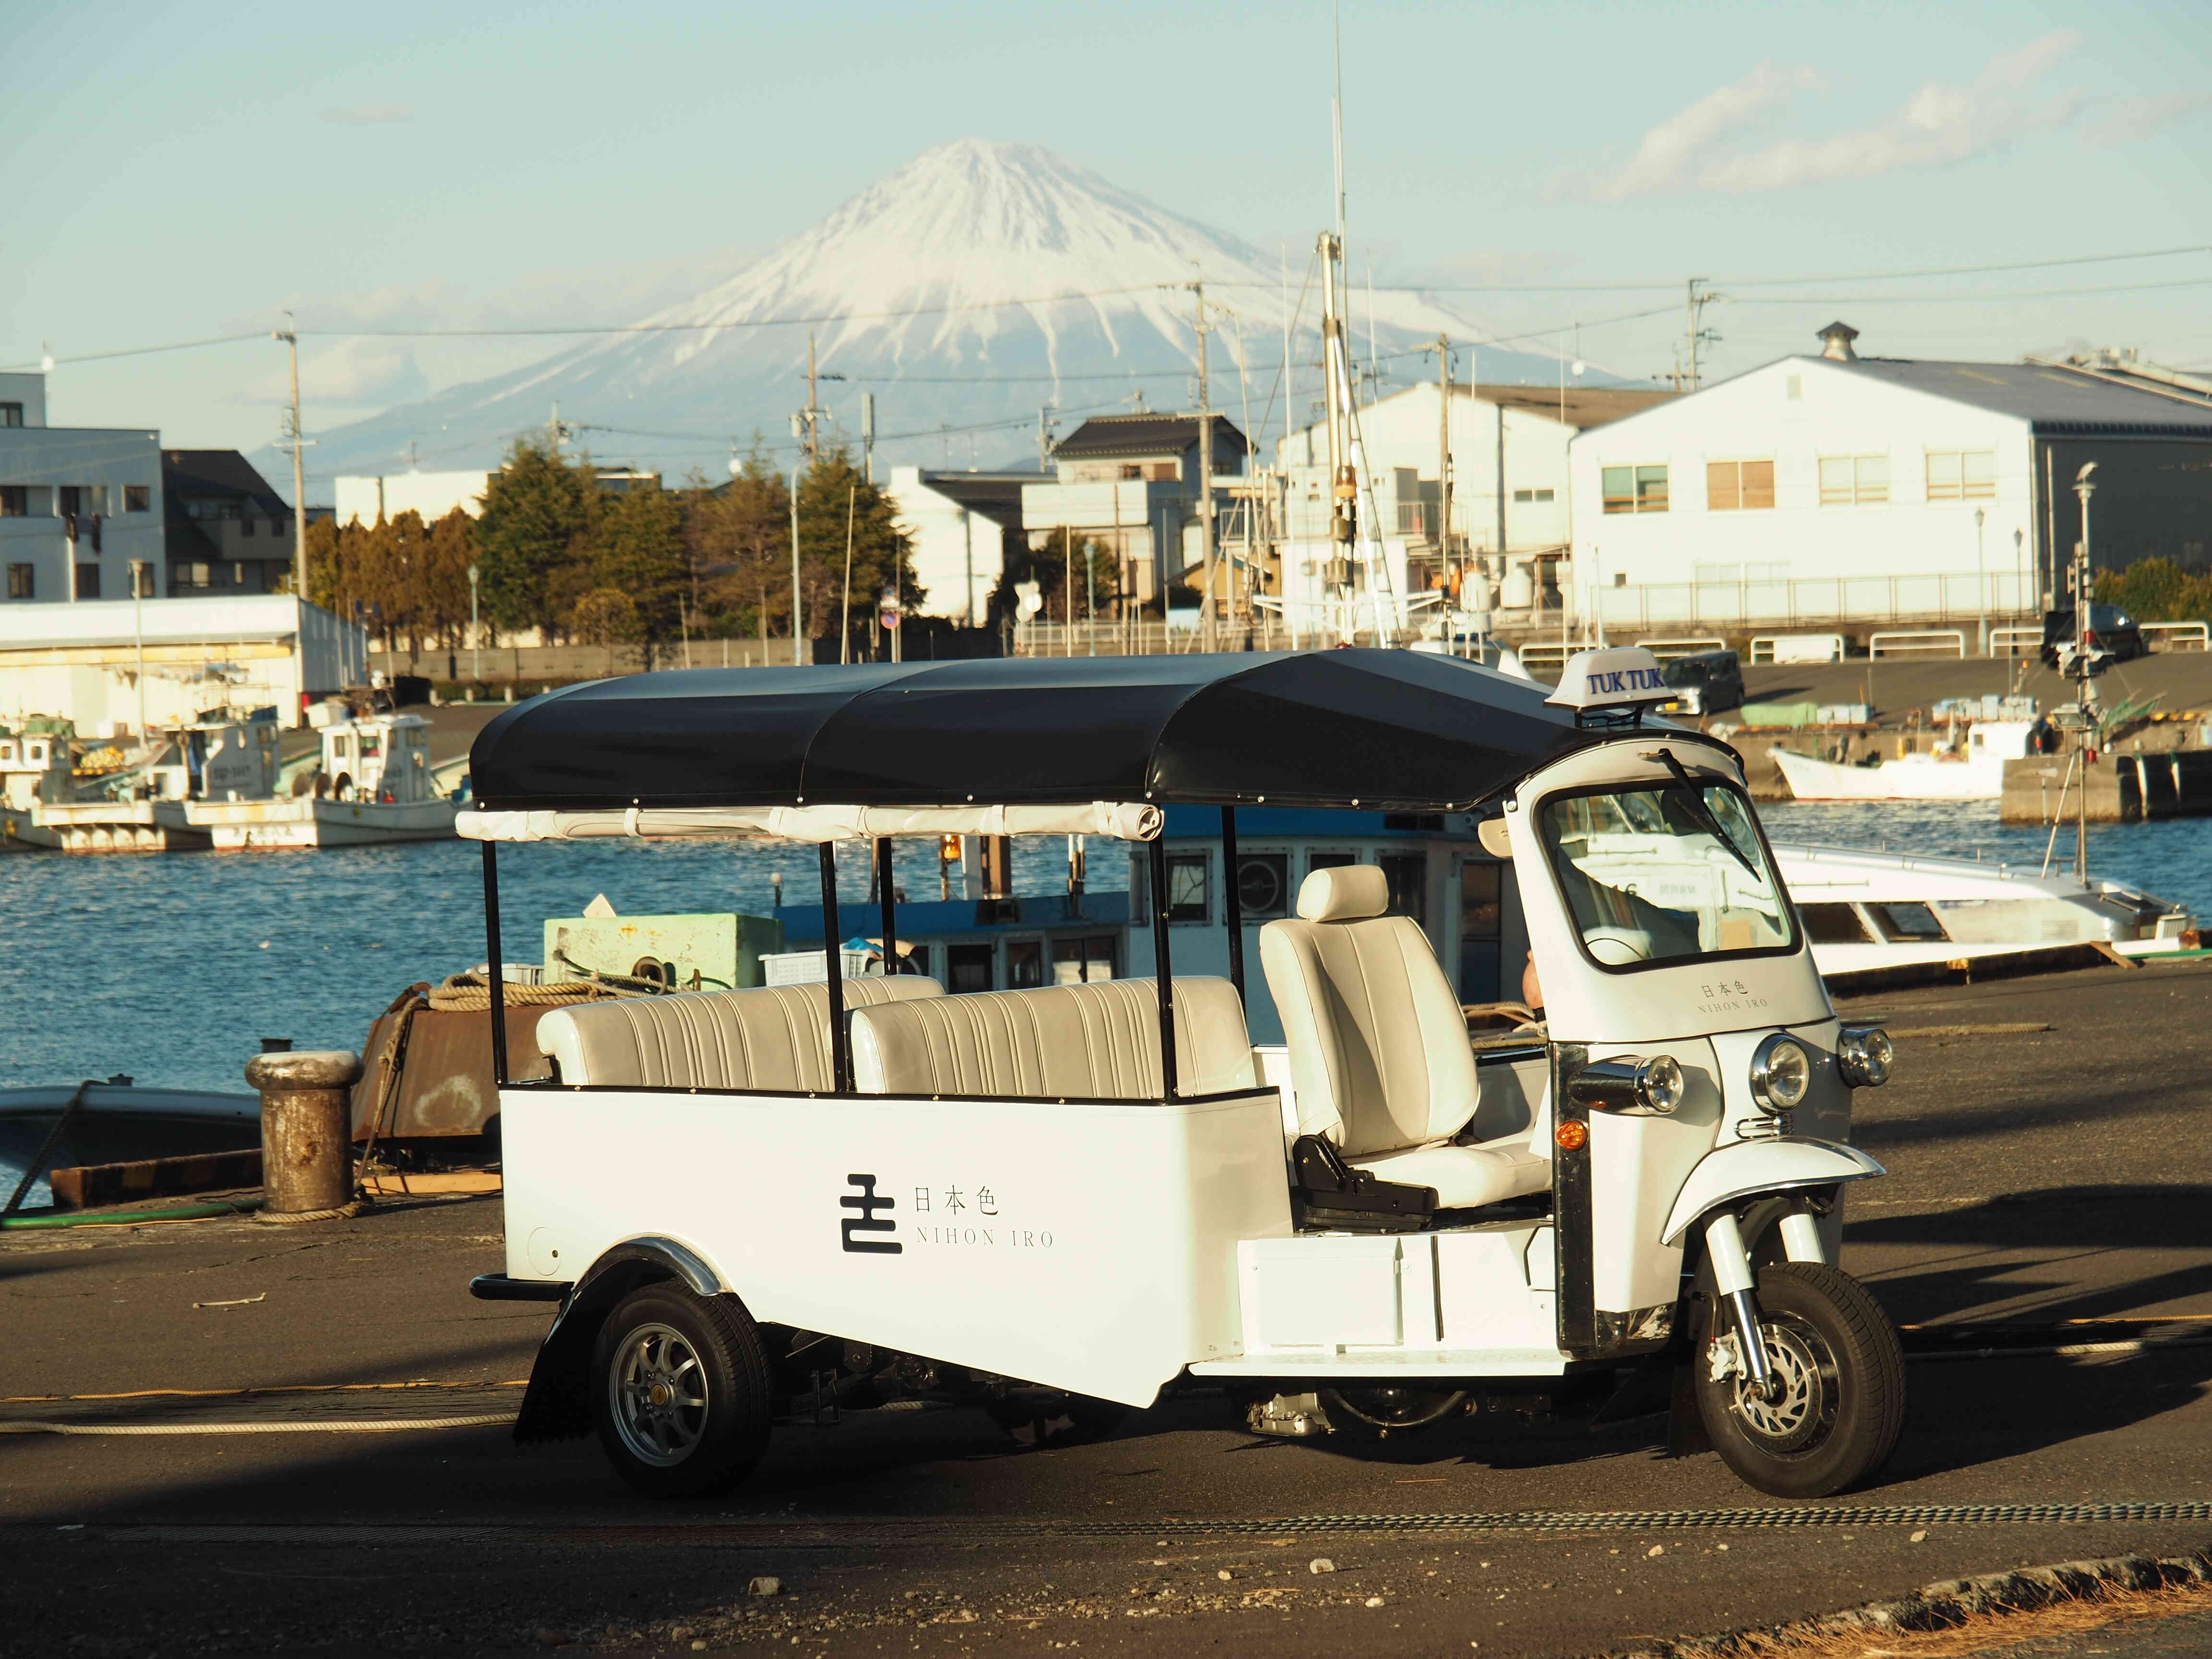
(1977, 1633)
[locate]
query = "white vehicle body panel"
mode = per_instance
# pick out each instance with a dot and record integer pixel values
(1752, 1166)
(1105, 1262)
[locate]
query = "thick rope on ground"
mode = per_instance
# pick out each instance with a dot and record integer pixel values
(287, 1218)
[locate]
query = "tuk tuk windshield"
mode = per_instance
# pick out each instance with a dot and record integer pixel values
(1669, 874)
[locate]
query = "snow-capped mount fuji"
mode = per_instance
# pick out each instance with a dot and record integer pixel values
(964, 290)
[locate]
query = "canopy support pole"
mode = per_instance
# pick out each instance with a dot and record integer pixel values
(841, 1050)
(496, 969)
(1232, 902)
(887, 902)
(1156, 854)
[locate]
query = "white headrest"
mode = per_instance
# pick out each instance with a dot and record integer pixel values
(1348, 893)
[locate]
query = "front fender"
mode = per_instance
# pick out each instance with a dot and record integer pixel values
(1747, 1167)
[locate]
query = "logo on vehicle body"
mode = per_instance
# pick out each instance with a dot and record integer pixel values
(867, 1203)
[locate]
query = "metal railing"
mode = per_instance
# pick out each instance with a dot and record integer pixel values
(1763, 646)
(2015, 641)
(1930, 642)
(2177, 636)
(1780, 604)
(1664, 649)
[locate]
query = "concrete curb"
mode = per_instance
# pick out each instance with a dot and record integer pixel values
(1951, 1601)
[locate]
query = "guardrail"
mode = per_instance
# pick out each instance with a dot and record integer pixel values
(1545, 653)
(2176, 636)
(1934, 642)
(2015, 641)
(1830, 646)
(1665, 650)
(1791, 602)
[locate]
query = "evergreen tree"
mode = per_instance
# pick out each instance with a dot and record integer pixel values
(534, 535)
(638, 552)
(740, 549)
(831, 492)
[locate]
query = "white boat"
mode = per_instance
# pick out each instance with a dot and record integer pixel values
(1977, 773)
(1866, 909)
(147, 808)
(34, 770)
(373, 784)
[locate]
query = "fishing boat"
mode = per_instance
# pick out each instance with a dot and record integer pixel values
(1973, 773)
(372, 783)
(56, 1126)
(34, 771)
(147, 807)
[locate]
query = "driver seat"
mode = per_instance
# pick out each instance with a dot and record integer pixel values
(1378, 1047)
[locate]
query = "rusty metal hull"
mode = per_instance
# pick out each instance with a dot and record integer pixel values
(445, 1087)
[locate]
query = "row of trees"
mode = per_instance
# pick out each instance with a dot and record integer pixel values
(556, 553)
(2157, 590)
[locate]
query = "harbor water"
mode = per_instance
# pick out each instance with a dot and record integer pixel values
(171, 968)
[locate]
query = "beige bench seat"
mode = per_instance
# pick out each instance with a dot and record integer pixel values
(775, 1038)
(1095, 1041)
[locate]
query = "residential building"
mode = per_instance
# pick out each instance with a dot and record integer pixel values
(1131, 482)
(964, 528)
(1844, 489)
(225, 532)
(1506, 449)
(79, 506)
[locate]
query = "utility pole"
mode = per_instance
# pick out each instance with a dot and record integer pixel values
(290, 334)
(798, 622)
(868, 437)
(1208, 573)
(476, 635)
(1443, 467)
(2081, 671)
(1044, 437)
(813, 406)
(1700, 295)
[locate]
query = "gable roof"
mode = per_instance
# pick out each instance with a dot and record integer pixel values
(1581, 407)
(201, 473)
(1107, 436)
(2056, 402)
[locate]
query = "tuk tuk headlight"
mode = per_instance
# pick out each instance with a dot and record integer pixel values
(1865, 1054)
(1659, 1084)
(1630, 1084)
(1781, 1073)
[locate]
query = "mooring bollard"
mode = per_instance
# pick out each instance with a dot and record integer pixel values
(307, 1147)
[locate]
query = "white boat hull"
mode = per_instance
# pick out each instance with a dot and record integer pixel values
(123, 826)
(1918, 777)
(303, 822)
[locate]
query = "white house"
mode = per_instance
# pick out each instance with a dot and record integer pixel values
(371, 500)
(961, 526)
(1837, 488)
(1506, 449)
(78, 505)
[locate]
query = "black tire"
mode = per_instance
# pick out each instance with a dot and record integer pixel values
(709, 1429)
(1843, 1403)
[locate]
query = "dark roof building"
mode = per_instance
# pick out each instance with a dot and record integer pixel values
(1158, 447)
(224, 530)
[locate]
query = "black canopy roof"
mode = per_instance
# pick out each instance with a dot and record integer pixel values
(1378, 728)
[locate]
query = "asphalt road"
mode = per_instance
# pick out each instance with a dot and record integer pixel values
(2038, 1177)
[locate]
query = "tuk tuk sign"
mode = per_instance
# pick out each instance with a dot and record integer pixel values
(1623, 678)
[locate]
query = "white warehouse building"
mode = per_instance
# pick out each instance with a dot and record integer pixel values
(1837, 490)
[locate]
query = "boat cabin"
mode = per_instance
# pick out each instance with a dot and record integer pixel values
(377, 758)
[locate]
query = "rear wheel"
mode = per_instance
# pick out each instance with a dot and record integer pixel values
(680, 1392)
(1840, 1397)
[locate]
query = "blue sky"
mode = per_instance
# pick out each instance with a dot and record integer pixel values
(184, 172)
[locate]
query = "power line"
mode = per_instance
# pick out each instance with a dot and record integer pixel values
(1973, 299)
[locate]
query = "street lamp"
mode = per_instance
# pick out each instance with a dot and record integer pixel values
(1982, 581)
(2020, 570)
(476, 637)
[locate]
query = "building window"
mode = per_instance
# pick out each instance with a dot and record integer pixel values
(1635, 489)
(182, 576)
(22, 581)
(88, 581)
(1962, 475)
(1263, 884)
(70, 500)
(137, 498)
(1738, 486)
(1188, 899)
(1532, 495)
(1083, 960)
(11, 414)
(246, 524)
(1854, 480)
(1024, 963)
(1408, 874)
(14, 500)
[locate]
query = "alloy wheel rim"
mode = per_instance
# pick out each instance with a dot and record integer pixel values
(657, 1387)
(1803, 1410)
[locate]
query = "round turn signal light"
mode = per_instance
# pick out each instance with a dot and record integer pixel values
(1572, 1137)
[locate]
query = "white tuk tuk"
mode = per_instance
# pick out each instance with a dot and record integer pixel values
(1056, 1203)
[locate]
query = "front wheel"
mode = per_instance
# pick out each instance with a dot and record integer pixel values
(1839, 1399)
(680, 1392)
